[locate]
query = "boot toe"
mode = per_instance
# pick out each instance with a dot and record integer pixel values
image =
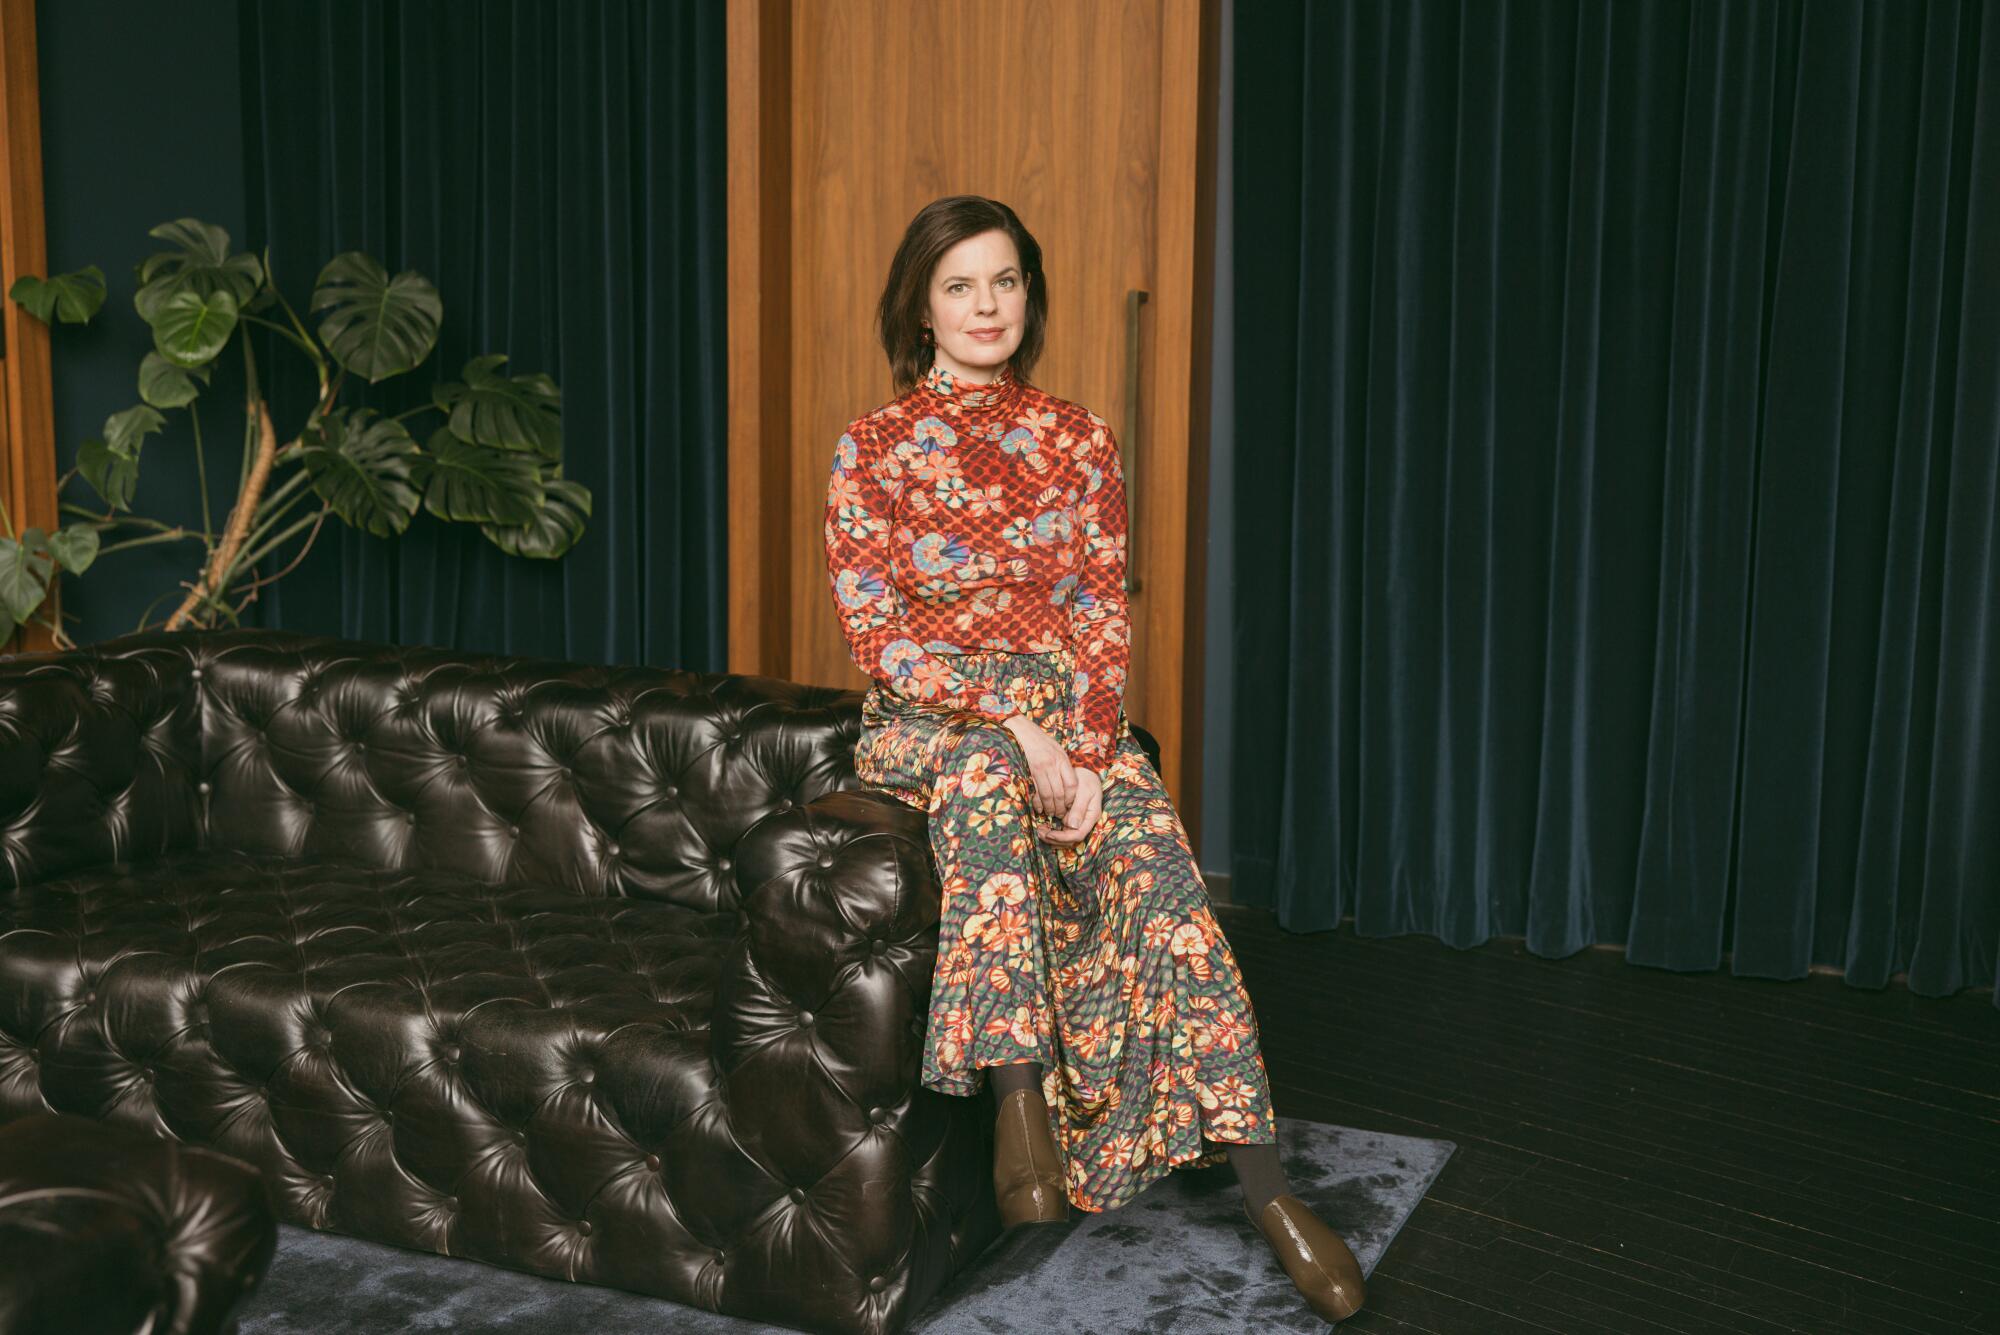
(1317, 1259)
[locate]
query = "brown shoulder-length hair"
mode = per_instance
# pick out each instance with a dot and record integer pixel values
(938, 226)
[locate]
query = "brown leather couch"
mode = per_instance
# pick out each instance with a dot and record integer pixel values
(611, 974)
(108, 1231)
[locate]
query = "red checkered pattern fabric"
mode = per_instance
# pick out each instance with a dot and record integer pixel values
(964, 517)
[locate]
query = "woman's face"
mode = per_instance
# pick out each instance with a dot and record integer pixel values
(978, 306)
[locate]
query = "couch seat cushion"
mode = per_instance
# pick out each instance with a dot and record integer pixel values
(413, 1056)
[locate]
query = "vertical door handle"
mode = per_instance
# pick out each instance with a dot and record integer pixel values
(1129, 446)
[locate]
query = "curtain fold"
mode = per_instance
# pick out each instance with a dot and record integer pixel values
(558, 171)
(1627, 382)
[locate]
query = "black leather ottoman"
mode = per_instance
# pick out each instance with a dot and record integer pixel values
(107, 1229)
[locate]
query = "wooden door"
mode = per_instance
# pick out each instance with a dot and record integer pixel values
(27, 406)
(1093, 120)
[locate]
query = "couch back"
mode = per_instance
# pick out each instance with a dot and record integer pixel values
(606, 780)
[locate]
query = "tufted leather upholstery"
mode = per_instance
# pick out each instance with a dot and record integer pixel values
(605, 973)
(106, 1230)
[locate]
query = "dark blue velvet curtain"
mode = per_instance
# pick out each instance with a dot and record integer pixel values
(558, 171)
(1624, 382)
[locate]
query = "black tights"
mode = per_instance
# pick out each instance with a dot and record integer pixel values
(1258, 1171)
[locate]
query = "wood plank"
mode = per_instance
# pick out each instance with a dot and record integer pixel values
(759, 319)
(1645, 1150)
(27, 406)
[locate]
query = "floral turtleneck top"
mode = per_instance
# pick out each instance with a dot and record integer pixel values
(963, 517)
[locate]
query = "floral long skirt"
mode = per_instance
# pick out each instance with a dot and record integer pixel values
(1100, 960)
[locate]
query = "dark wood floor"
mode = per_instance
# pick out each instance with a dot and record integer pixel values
(1643, 1151)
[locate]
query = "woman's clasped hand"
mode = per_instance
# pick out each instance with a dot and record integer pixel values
(1060, 790)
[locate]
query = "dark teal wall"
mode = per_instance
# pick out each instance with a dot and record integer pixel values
(141, 123)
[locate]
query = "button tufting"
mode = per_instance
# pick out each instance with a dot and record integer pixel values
(718, 1256)
(671, 792)
(201, 787)
(583, 1227)
(451, 1204)
(798, 1197)
(326, 1180)
(878, 947)
(513, 832)
(196, 674)
(451, 1052)
(879, 1283)
(825, 860)
(612, 849)
(876, 1114)
(805, 1017)
(409, 818)
(724, 864)
(587, 1076)
(653, 1163)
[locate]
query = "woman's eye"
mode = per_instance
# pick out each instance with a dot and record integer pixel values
(1008, 281)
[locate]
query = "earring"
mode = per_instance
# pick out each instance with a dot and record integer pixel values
(927, 333)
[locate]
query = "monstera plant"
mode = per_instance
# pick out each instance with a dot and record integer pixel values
(493, 458)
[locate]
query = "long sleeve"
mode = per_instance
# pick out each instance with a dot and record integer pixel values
(861, 492)
(1100, 627)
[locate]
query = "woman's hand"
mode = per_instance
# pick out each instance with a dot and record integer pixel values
(1060, 789)
(1053, 789)
(1083, 812)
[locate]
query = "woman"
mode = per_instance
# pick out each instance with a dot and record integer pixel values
(975, 541)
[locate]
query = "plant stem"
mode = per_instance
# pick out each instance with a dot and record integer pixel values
(223, 558)
(250, 396)
(254, 557)
(268, 517)
(250, 590)
(201, 474)
(4, 519)
(71, 507)
(171, 535)
(304, 339)
(282, 332)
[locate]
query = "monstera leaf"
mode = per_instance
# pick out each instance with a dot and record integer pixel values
(72, 298)
(477, 484)
(522, 412)
(555, 528)
(375, 326)
(200, 263)
(360, 465)
(25, 569)
(166, 384)
(111, 463)
(113, 475)
(189, 328)
(74, 546)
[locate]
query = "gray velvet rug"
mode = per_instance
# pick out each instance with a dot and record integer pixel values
(1182, 1259)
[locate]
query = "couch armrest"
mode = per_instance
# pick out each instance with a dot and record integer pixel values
(818, 1028)
(840, 917)
(100, 760)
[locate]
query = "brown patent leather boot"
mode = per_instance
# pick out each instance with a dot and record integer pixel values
(1317, 1259)
(1027, 1167)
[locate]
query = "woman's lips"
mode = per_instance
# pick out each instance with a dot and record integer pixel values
(988, 335)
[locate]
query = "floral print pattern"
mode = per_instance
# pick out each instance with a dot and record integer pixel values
(1101, 960)
(968, 518)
